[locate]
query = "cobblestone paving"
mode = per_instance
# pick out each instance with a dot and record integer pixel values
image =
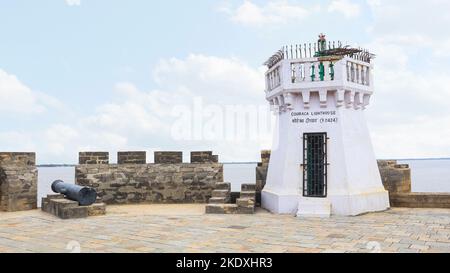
(142, 229)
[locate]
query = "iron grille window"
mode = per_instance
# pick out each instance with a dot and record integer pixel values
(315, 165)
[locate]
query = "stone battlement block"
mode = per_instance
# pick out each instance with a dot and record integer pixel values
(261, 174)
(63, 208)
(386, 163)
(265, 156)
(18, 159)
(93, 158)
(18, 182)
(204, 157)
(168, 157)
(131, 157)
(396, 178)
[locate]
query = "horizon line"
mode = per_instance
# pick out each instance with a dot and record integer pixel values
(250, 162)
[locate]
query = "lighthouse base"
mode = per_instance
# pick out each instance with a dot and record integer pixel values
(279, 203)
(360, 203)
(314, 207)
(341, 205)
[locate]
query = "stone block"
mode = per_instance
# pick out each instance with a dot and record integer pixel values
(265, 156)
(248, 187)
(132, 157)
(168, 157)
(72, 213)
(18, 159)
(245, 210)
(245, 202)
(219, 200)
(221, 193)
(18, 182)
(261, 174)
(68, 209)
(248, 194)
(223, 186)
(93, 158)
(215, 158)
(97, 209)
(221, 209)
(386, 163)
(396, 178)
(204, 157)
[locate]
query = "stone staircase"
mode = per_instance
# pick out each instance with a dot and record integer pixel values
(220, 203)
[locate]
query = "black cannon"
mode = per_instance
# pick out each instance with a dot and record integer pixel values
(85, 196)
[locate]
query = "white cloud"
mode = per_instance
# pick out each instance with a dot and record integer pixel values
(410, 111)
(221, 79)
(345, 7)
(16, 97)
(73, 2)
(413, 25)
(409, 114)
(274, 12)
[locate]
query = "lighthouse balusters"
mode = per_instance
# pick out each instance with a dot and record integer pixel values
(318, 62)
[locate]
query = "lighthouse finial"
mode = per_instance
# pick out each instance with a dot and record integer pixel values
(322, 37)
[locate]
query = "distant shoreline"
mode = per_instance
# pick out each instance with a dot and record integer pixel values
(246, 163)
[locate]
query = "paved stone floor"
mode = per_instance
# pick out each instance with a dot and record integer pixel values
(184, 228)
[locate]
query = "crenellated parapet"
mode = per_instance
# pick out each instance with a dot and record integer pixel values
(132, 180)
(18, 181)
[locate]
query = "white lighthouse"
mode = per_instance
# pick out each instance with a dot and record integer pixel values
(322, 160)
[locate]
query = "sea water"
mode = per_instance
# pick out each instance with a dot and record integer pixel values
(428, 175)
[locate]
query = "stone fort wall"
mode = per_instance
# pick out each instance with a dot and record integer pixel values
(134, 181)
(18, 181)
(397, 180)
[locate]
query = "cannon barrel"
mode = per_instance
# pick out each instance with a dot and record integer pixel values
(85, 196)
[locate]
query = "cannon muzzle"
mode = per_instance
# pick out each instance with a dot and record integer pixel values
(85, 196)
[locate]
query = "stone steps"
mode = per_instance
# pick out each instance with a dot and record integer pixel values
(219, 203)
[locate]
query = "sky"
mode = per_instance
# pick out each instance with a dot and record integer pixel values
(110, 75)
